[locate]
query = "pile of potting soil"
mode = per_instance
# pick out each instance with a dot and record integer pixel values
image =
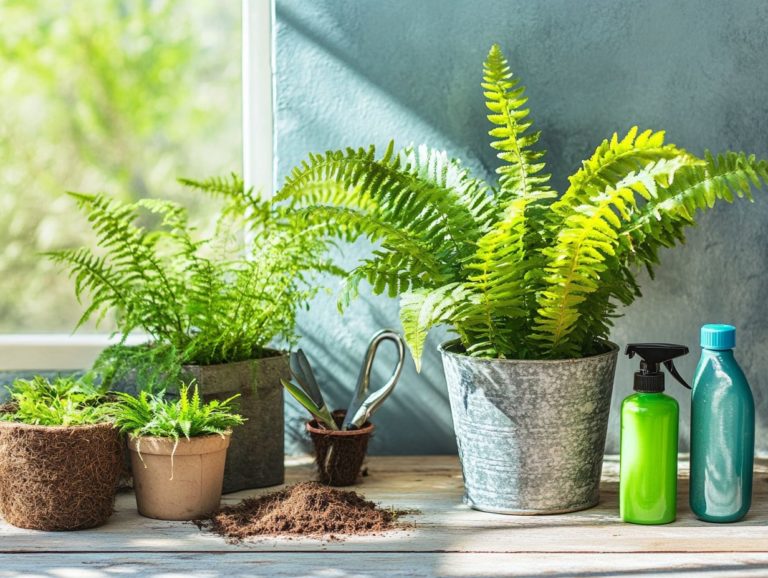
(307, 509)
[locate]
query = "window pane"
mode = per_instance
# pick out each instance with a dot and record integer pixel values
(120, 96)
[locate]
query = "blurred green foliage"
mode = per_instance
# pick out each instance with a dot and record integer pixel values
(118, 95)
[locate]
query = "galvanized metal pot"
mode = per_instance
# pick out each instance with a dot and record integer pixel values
(256, 454)
(531, 434)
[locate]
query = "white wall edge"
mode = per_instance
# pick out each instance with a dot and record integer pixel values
(54, 352)
(258, 96)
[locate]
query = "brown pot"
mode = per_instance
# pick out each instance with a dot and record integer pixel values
(339, 454)
(58, 477)
(178, 484)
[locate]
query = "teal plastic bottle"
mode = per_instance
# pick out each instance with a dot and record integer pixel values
(722, 431)
(649, 424)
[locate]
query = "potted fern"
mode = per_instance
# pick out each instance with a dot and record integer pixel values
(60, 455)
(210, 304)
(178, 451)
(529, 280)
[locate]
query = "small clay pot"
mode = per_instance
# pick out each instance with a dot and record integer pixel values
(58, 477)
(339, 454)
(180, 484)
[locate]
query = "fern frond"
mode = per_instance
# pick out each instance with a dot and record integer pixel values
(422, 309)
(496, 275)
(661, 221)
(437, 167)
(324, 179)
(588, 236)
(414, 252)
(411, 190)
(230, 186)
(612, 160)
(95, 278)
(521, 174)
(174, 216)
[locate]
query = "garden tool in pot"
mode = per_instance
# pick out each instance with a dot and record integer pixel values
(364, 404)
(305, 389)
(341, 438)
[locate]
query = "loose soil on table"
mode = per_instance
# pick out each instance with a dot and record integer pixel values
(308, 509)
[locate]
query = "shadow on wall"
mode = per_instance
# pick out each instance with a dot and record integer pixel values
(352, 73)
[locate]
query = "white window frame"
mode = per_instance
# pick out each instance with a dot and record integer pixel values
(54, 352)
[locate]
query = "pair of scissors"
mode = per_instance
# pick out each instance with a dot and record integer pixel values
(364, 404)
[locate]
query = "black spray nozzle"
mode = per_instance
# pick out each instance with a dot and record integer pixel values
(650, 377)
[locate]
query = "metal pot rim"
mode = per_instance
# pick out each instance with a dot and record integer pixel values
(444, 349)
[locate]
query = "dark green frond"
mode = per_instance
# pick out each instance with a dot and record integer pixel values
(412, 190)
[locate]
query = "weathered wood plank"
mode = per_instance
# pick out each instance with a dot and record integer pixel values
(373, 564)
(433, 486)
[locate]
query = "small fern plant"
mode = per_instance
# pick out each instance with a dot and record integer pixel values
(154, 415)
(63, 401)
(516, 269)
(201, 299)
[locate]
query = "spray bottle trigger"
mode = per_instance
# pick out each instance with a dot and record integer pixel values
(673, 370)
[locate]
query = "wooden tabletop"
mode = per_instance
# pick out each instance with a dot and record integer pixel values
(448, 538)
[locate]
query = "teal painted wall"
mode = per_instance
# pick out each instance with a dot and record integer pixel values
(354, 72)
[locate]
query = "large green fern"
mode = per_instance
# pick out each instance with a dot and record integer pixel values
(201, 299)
(515, 270)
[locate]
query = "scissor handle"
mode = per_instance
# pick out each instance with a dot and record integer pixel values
(363, 405)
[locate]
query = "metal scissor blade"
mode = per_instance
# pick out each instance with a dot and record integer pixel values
(363, 404)
(302, 371)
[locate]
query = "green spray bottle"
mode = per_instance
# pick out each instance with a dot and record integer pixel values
(649, 425)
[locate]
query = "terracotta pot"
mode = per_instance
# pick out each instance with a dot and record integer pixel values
(339, 454)
(184, 484)
(58, 477)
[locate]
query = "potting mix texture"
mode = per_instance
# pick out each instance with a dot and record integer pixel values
(306, 509)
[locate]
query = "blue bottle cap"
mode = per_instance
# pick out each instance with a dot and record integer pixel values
(718, 336)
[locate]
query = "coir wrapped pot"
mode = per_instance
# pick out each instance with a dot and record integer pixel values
(58, 477)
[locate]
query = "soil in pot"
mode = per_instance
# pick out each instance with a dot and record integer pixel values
(339, 455)
(307, 509)
(58, 477)
(178, 481)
